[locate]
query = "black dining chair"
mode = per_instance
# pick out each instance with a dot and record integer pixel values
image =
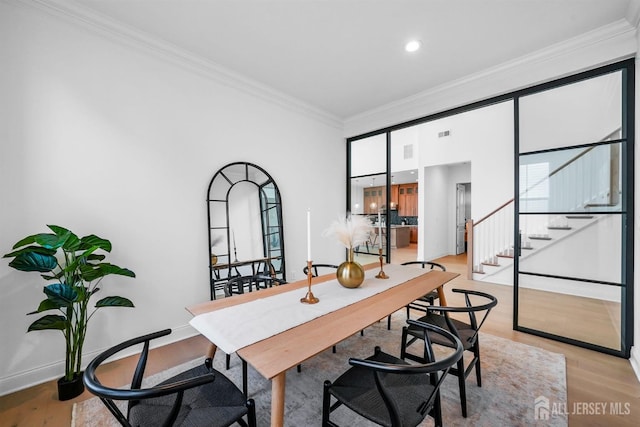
(389, 391)
(264, 281)
(466, 331)
(421, 303)
(326, 268)
(200, 396)
(239, 285)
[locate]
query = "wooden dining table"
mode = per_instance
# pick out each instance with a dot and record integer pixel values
(274, 355)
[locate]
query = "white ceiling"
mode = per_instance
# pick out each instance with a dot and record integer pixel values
(346, 57)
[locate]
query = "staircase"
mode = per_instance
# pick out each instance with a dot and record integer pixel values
(584, 179)
(499, 268)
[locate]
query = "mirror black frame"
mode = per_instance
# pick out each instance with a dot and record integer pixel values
(273, 261)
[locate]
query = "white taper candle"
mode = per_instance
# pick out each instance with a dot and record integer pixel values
(308, 234)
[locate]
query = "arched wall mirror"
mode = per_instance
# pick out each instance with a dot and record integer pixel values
(245, 225)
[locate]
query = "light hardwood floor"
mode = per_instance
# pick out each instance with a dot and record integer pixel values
(591, 377)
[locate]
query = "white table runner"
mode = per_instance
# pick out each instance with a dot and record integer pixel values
(235, 327)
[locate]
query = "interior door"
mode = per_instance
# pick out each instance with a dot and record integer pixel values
(460, 219)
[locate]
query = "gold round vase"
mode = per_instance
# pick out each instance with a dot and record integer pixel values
(350, 274)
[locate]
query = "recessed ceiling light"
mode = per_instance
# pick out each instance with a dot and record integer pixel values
(412, 46)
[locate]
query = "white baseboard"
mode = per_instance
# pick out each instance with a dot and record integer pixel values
(635, 360)
(55, 370)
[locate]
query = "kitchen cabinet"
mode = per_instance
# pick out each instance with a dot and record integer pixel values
(400, 236)
(408, 199)
(393, 203)
(374, 198)
(413, 234)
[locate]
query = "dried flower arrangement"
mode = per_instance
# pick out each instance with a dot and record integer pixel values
(351, 231)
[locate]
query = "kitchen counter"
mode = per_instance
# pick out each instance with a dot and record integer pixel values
(400, 235)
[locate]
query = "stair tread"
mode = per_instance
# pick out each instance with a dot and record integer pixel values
(504, 256)
(579, 216)
(491, 264)
(558, 228)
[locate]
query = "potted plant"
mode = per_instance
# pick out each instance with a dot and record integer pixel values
(76, 269)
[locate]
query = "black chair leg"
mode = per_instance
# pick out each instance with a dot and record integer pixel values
(334, 349)
(326, 404)
(245, 387)
(228, 359)
(436, 411)
(403, 343)
(299, 368)
(476, 351)
(463, 388)
(389, 322)
(251, 416)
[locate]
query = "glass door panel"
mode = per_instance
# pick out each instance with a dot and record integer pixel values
(572, 219)
(368, 194)
(369, 199)
(577, 310)
(580, 113)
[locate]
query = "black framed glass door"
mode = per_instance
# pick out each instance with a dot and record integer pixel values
(574, 210)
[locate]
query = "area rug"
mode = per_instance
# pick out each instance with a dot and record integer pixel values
(516, 378)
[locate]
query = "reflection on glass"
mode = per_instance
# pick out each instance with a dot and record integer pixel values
(582, 179)
(369, 155)
(245, 225)
(583, 243)
(369, 199)
(581, 311)
(580, 113)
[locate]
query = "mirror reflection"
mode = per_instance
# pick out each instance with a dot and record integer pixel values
(245, 225)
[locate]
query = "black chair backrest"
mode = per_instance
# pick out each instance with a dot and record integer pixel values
(315, 267)
(425, 264)
(263, 281)
(484, 308)
(433, 367)
(135, 393)
(239, 285)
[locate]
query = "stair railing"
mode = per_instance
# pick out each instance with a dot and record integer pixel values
(492, 235)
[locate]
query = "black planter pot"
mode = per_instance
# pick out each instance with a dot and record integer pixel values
(70, 389)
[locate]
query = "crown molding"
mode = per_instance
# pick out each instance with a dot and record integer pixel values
(127, 35)
(619, 30)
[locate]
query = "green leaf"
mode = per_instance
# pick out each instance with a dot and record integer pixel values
(33, 261)
(50, 321)
(60, 231)
(26, 241)
(62, 294)
(45, 305)
(51, 241)
(36, 249)
(92, 272)
(71, 241)
(114, 302)
(92, 240)
(95, 257)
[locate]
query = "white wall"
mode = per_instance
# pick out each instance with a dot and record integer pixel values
(437, 209)
(433, 202)
(104, 138)
(484, 136)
